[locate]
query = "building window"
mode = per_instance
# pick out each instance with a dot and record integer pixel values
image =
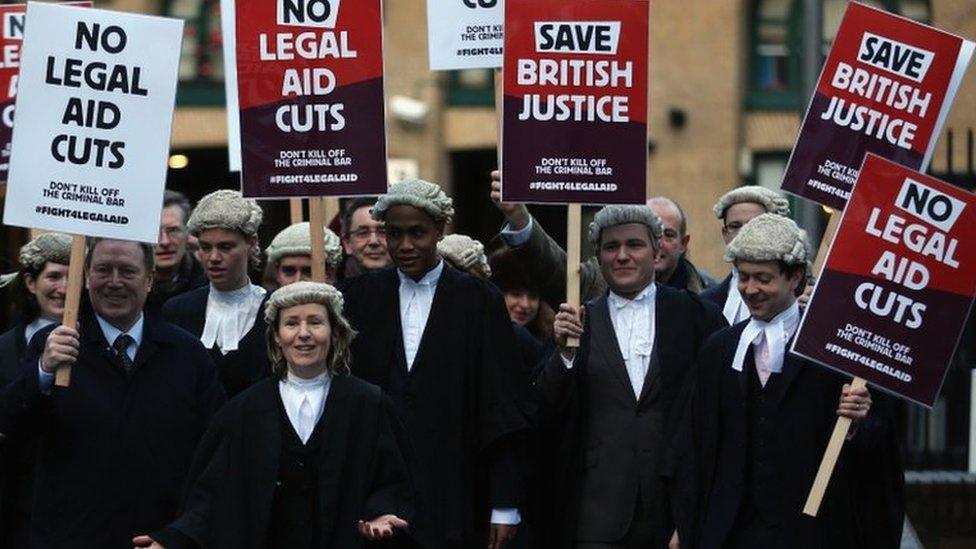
(775, 42)
(471, 88)
(202, 58)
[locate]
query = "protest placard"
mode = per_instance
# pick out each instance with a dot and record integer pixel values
(886, 88)
(12, 21)
(898, 282)
(574, 127)
(95, 109)
(465, 34)
(310, 83)
(228, 36)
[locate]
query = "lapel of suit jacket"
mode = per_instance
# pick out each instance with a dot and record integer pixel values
(150, 338)
(438, 321)
(265, 424)
(332, 450)
(665, 334)
(604, 343)
(791, 367)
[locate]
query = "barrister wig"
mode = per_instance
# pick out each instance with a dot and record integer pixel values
(419, 194)
(611, 216)
(297, 240)
(769, 237)
(47, 247)
(772, 201)
(226, 209)
(465, 254)
(301, 293)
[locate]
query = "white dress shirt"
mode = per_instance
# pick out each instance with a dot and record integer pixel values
(111, 333)
(777, 331)
(735, 309)
(633, 322)
(304, 401)
(416, 299)
(230, 315)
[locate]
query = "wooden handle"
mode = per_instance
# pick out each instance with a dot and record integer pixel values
(828, 237)
(573, 222)
(295, 210)
(316, 220)
(812, 506)
(72, 298)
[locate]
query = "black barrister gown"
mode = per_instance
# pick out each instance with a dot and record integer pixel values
(232, 497)
(16, 459)
(238, 369)
(461, 403)
(755, 457)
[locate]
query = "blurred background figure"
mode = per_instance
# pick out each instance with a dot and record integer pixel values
(177, 269)
(363, 240)
(290, 256)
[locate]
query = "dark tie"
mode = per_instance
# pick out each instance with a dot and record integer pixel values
(121, 344)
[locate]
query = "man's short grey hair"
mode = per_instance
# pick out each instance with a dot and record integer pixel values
(769, 237)
(226, 209)
(419, 194)
(297, 240)
(773, 201)
(611, 216)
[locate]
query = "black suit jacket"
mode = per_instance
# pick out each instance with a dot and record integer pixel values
(460, 403)
(361, 471)
(864, 500)
(582, 459)
(719, 293)
(16, 459)
(114, 450)
(238, 369)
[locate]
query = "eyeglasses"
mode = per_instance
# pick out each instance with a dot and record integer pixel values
(364, 232)
(291, 270)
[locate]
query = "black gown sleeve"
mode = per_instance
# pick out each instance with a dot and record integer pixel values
(392, 490)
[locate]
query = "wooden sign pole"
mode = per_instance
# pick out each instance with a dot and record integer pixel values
(843, 425)
(316, 220)
(295, 209)
(72, 298)
(573, 228)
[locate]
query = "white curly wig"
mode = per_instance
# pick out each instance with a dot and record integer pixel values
(297, 240)
(418, 193)
(226, 209)
(769, 237)
(611, 216)
(772, 201)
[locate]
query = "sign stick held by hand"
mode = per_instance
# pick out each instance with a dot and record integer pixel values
(72, 298)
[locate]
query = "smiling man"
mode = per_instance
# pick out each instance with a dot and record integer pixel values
(225, 315)
(762, 417)
(610, 404)
(116, 445)
(440, 343)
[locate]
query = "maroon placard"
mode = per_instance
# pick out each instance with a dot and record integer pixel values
(886, 88)
(898, 282)
(574, 128)
(310, 86)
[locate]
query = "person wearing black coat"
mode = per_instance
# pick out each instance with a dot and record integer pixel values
(455, 377)
(261, 478)
(610, 406)
(226, 314)
(115, 445)
(760, 418)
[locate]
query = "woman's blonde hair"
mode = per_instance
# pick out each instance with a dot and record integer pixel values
(301, 293)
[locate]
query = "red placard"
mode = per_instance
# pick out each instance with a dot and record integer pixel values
(575, 106)
(11, 38)
(898, 282)
(310, 86)
(886, 88)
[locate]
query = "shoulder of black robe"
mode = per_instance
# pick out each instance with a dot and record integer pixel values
(231, 481)
(718, 293)
(12, 349)
(188, 310)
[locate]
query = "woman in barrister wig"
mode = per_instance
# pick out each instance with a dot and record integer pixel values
(39, 289)
(306, 459)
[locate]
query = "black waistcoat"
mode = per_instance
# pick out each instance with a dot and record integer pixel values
(293, 522)
(762, 452)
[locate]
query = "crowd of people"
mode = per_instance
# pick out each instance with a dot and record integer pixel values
(434, 391)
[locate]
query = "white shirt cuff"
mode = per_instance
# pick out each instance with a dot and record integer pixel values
(510, 516)
(518, 238)
(44, 379)
(567, 362)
